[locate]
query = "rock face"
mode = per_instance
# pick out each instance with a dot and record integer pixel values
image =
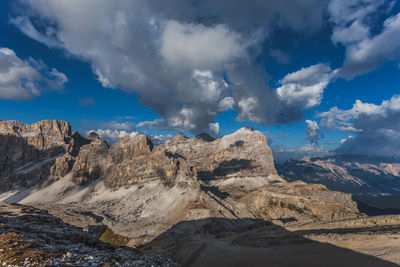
(134, 160)
(296, 201)
(129, 160)
(32, 237)
(354, 174)
(48, 150)
(91, 162)
(30, 154)
(243, 154)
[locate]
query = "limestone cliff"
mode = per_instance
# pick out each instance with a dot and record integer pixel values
(243, 154)
(31, 154)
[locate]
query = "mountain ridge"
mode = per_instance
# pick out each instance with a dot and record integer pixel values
(139, 191)
(356, 174)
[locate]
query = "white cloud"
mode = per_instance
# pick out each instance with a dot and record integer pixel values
(214, 128)
(227, 103)
(372, 52)
(353, 21)
(26, 26)
(184, 119)
(112, 136)
(200, 47)
(211, 86)
(56, 79)
(179, 124)
(376, 127)
(176, 55)
(313, 132)
(344, 140)
(25, 79)
(161, 139)
(342, 12)
(156, 124)
(349, 35)
(248, 110)
(305, 87)
(115, 125)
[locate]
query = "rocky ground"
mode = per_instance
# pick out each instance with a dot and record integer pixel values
(32, 237)
(216, 242)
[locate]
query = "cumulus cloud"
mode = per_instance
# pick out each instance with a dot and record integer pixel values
(227, 103)
(365, 51)
(248, 110)
(376, 127)
(200, 47)
(112, 136)
(161, 124)
(313, 132)
(115, 125)
(112, 131)
(161, 139)
(189, 61)
(305, 87)
(26, 79)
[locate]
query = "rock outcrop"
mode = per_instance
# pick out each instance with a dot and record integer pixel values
(31, 154)
(237, 157)
(91, 162)
(32, 237)
(244, 153)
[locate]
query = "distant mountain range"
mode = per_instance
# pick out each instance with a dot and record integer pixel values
(356, 174)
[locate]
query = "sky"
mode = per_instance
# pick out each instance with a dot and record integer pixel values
(315, 76)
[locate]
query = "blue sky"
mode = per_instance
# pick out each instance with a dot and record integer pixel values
(169, 68)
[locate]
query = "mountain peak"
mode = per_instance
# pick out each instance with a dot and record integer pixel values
(205, 137)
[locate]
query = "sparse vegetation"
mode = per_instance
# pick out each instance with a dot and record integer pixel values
(113, 238)
(14, 251)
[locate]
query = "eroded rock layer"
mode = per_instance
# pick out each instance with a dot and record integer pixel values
(30, 154)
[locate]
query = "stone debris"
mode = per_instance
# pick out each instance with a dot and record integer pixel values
(32, 237)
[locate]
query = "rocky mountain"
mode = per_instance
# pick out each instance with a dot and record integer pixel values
(356, 174)
(182, 199)
(33, 154)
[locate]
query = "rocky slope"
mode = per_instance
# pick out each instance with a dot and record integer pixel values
(32, 237)
(140, 192)
(354, 174)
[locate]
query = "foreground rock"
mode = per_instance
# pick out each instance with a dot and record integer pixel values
(32, 237)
